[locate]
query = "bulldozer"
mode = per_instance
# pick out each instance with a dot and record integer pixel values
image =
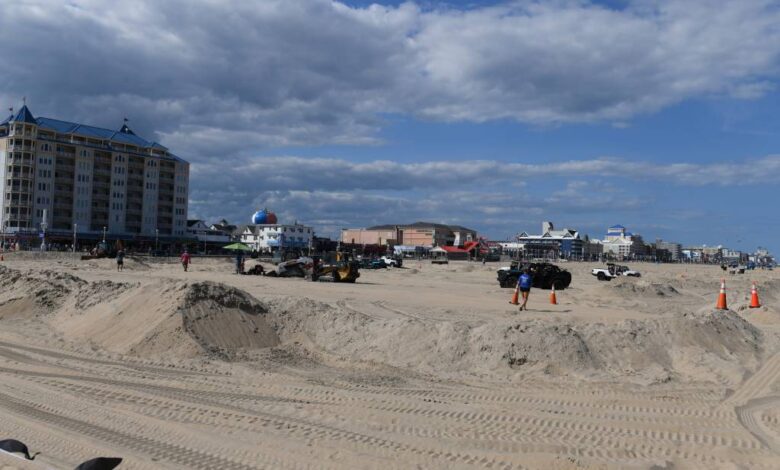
(337, 267)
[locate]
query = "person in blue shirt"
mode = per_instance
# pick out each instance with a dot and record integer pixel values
(524, 283)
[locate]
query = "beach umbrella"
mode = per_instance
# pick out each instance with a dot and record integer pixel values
(238, 247)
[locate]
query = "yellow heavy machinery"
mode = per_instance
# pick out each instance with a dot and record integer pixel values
(338, 267)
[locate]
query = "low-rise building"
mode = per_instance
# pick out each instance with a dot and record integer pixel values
(592, 250)
(552, 243)
(224, 227)
(266, 238)
(204, 233)
(512, 249)
(671, 249)
(703, 254)
(418, 234)
(733, 256)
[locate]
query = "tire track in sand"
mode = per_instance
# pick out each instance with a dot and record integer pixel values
(753, 398)
(750, 416)
(189, 458)
(299, 428)
(757, 385)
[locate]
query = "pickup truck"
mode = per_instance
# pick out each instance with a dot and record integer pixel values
(394, 262)
(612, 270)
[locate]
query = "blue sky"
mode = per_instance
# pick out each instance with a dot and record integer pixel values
(660, 115)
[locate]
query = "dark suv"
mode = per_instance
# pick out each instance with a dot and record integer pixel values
(543, 275)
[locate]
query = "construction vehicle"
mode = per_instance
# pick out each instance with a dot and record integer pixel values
(101, 250)
(334, 267)
(543, 275)
(299, 267)
(337, 267)
(612, 271)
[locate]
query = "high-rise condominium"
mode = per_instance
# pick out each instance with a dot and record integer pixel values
(88, 179)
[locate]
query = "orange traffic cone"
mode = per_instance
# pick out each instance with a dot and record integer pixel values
(754, 303)
(516, 296)
(721, 305)
(1, 257)
(553, 299)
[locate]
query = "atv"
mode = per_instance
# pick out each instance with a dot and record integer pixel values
(543, 275)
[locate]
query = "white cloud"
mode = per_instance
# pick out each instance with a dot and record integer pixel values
(298, 173)
(334, 193)
(206, 75)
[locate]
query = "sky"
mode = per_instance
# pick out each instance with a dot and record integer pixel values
(497, 115)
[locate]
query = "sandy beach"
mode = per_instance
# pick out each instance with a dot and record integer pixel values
(420, 367)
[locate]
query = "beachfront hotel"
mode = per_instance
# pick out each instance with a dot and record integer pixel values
(79, 178)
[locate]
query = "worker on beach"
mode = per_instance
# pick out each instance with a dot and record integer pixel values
(120, 260)
(239, 262)
(524, 283)
(185, 260)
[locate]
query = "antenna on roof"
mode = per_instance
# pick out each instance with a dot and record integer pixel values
(11, 109)
(24, 100)
(125, 120)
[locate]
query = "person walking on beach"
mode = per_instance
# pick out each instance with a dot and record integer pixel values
(239, 262)
(120, 260)
(524, 283)
(185, 260)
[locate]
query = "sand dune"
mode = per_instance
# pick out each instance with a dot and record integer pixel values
(424, 366)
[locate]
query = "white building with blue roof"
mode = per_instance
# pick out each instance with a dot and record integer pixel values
(72, 176)
(621, 243)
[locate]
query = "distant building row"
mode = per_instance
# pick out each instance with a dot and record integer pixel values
(418, 234)
(618, 243)
(261, 237)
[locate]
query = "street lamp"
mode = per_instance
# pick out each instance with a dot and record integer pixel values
(104, 234)
(75, 227)
(43, 228)
(156, 239)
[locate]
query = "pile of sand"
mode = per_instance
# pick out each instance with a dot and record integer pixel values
(720, 347)
(28, 294)
(223, 320)
(185, 319)
(632, 288)
(164, 318)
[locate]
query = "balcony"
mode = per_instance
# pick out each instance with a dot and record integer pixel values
(20, 162)
(18, 203)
